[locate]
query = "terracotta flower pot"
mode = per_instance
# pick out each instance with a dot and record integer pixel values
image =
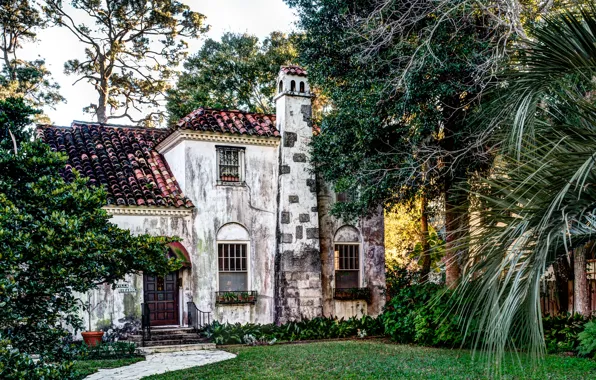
(92, 338)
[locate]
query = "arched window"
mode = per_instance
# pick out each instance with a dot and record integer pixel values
(293, 86)
(281, 86)
(302, 86)
(233, 253)
(347, 258)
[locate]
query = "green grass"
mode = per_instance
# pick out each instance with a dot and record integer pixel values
(371, 360)
(87, 367)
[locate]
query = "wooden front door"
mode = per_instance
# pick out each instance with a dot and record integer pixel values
(161, 295)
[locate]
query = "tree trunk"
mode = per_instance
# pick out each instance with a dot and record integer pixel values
(456, 229)
(425, 238)
(102, 108)
(562, 272)
(580, 282)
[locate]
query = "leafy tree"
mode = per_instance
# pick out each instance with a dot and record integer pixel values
(20, 20)
(542, 195)
(237, 72)
(55, 239)
(131, 51)
(407, 243)
(399, 128)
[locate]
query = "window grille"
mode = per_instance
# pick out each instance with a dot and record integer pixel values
(230, 164)
(233, 270)
(347, 265)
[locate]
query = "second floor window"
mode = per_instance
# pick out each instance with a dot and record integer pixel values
(233, 269)
(230, 165)
(347, 266)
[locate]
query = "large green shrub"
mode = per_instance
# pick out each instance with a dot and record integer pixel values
(420, 312)
(16, 365)
(561, 332)
(587, 340)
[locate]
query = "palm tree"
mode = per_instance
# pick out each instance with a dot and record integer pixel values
(540, 200)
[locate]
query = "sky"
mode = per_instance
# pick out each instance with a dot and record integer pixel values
(57, 45)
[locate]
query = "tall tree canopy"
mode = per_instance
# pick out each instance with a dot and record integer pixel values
(237, 72)
(399, 126)
(55, 239)
(20, 21)
(132, 49)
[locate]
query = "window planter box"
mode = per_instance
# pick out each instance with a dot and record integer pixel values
(235, 298)
(352, 294)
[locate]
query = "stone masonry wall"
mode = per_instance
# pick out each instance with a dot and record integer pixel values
(297, 261)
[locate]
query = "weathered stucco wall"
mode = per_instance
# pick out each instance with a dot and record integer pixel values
(121, 307)
(372, 267)
(252, 206)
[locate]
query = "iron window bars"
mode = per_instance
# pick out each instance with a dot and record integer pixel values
(233, 269)
(230, 165)
(347, 265)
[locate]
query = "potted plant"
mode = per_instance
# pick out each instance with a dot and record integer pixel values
(91, 338)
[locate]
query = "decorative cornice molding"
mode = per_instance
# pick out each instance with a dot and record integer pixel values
(183, 134)
(149, 211)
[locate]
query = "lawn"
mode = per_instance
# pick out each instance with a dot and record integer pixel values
(370, 360)
(87, 367)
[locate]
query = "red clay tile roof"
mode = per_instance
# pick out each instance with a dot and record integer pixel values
(121, 158)
(237, 122)
(294, 70)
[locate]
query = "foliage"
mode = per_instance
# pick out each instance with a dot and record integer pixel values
(404, 246)
(540, 197)
(370, 359)
(587, 339)
(114, 350)
(85, 368)
(55, 240)
(16, 365)
(20, 21)
(131, 51)
(313, 329)
(561, 332)
(418, 312)
(237, 72)
(388, 135)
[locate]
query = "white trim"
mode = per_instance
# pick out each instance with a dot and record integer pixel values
(248, 264)
(183, 134)
(145, 210)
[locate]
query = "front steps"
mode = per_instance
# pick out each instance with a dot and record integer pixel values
(171, 336)
(176, 348)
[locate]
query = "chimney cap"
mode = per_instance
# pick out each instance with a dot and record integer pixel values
(294, 70)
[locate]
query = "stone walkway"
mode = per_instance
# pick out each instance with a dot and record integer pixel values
(161, 363)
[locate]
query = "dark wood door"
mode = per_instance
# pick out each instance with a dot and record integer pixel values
(161, 295)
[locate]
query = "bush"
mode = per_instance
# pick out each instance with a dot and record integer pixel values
(412, 316)
(587, 340)
(17, 365)
(313, 329)
(115, 350)
(561, 332)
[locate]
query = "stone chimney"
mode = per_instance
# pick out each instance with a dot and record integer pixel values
(298, 261)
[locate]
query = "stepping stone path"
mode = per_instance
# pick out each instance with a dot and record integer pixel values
(162, 363)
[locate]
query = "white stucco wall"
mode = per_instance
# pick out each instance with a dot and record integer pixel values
(253, 206)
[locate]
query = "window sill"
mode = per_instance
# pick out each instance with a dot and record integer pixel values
(352, 294)
(231, 183)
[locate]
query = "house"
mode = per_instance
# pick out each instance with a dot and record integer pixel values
(238, 188)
